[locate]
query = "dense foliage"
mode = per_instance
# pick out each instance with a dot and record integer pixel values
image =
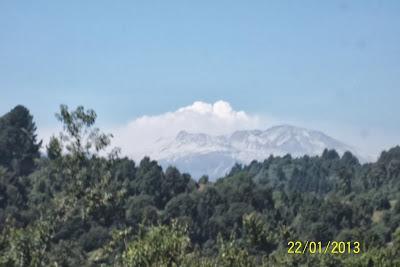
(77, 206)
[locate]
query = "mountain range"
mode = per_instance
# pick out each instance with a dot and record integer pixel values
(200, 153)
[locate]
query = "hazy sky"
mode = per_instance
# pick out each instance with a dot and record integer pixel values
(332, 65)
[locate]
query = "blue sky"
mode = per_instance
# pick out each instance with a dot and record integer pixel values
(333, 63)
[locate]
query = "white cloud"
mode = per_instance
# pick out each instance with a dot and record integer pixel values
(142, 135)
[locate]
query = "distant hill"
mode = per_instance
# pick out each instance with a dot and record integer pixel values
(199, 153)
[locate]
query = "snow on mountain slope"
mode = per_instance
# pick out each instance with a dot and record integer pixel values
(199, 153)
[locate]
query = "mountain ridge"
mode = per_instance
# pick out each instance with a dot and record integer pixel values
(214, 155)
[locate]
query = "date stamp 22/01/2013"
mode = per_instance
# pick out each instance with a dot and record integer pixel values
(329, 247)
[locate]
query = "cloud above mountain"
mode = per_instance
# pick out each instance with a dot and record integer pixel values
(140, 136)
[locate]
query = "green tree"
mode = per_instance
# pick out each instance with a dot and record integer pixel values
(18, 145)
(256, 233)
(159, 246)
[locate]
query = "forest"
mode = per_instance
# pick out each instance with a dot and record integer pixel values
(77, 202)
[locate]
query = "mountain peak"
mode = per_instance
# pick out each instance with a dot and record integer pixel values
(184, 137)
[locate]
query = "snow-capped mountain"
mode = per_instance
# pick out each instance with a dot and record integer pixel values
(199, 153)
